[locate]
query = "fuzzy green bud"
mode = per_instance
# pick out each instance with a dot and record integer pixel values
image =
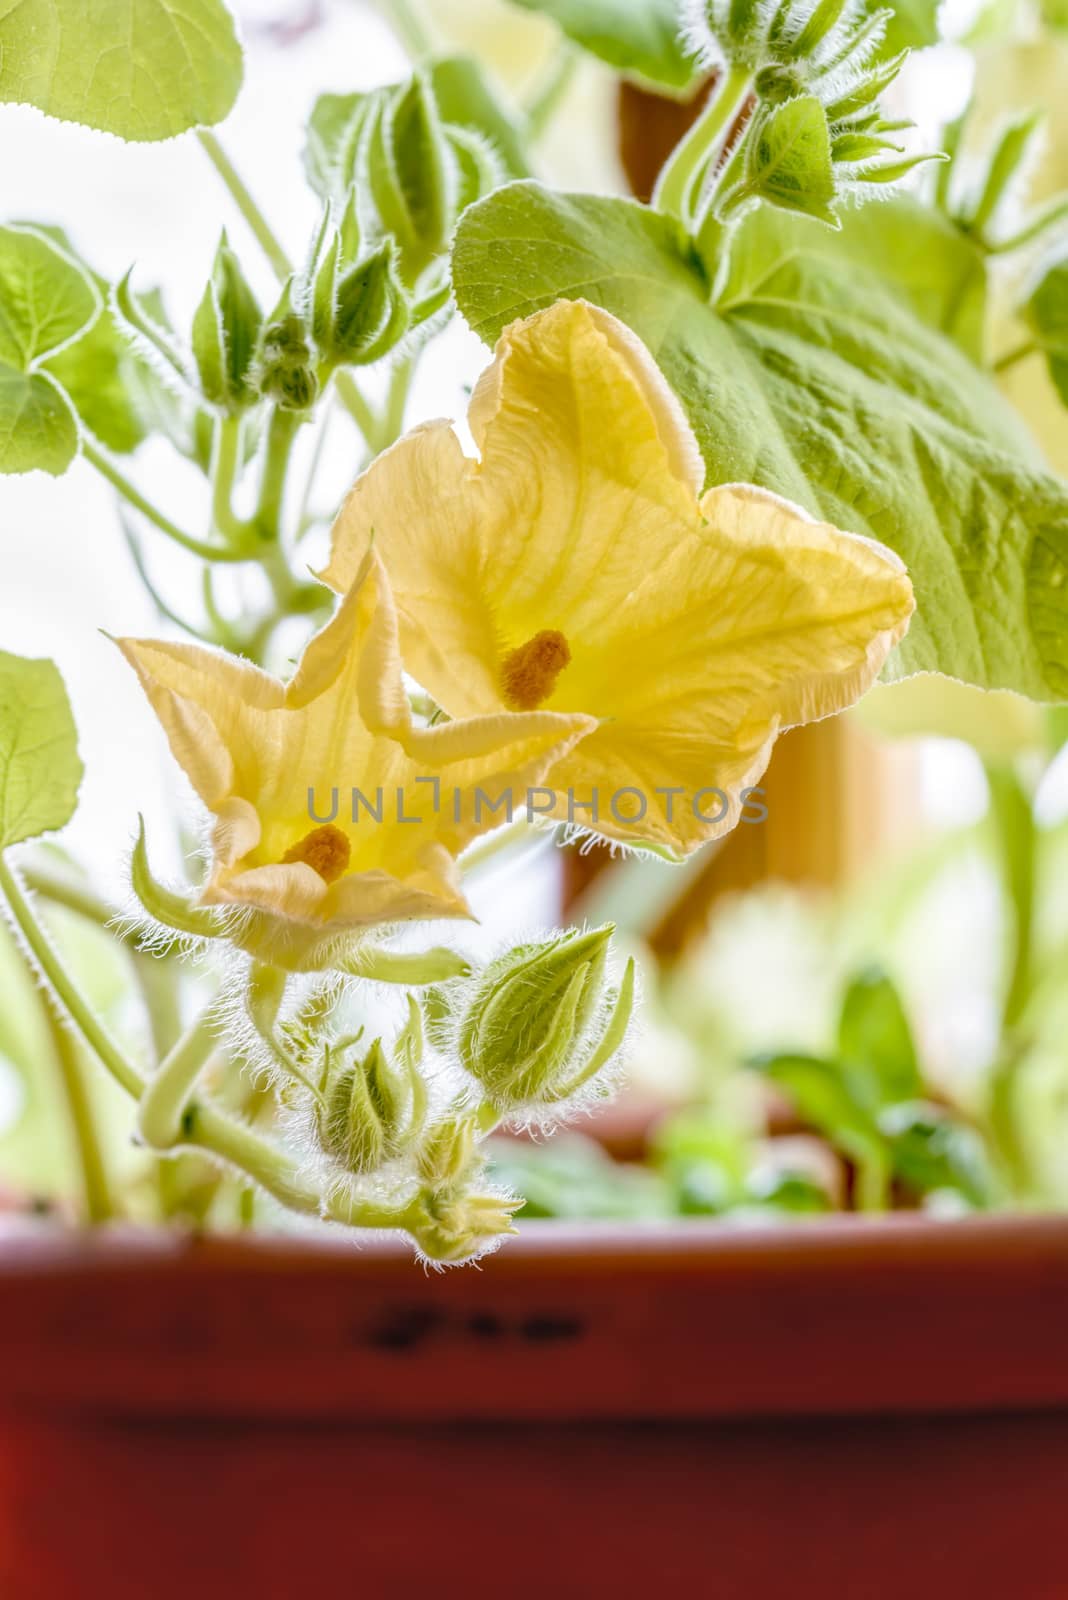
(286, 365)
(460, 1224)
(371, 310)
(371, 1110)
(541, 1021)
(226, 329)
(412, 173)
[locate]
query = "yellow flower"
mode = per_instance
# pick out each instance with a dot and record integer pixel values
(576, 566)
(265, 758)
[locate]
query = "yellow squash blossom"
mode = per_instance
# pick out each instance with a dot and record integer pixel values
(266, 758)
(576, 566)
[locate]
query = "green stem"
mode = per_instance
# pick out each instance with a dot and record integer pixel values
(357, 406)
(552, 85)
(163, 1104)
(678, 187)
(96, 1192)
(118, 480)
(67, 892)
(278, 448)
(264, 234)
(391, 425)
(1050, 216)
(1019, 352)
(873, 1183)
(225, 462)
(205, 1128)
(62, 986)
(409, 28)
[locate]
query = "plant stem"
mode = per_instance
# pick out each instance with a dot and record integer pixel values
(358, 408)
(169, 1091)
(409, 28)
(264, 234)
(1019, 352)
(118, 480)
(225, 460)
(61, 986)
(96, 1192)
(678, 187)
(1050, 216)
(551, 87)
(67, 892)
(278, 448)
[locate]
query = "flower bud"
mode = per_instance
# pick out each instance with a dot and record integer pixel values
(447, 1152)
(286, 366)
(541, 1021)
(458, 1224)
(371, 1110)
(226, 329)
(371, 310)
(413, 174)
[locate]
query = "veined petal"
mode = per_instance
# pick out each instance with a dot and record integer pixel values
(588, 476)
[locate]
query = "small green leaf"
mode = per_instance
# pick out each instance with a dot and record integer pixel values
(788, 161)
(825, 372)
(40, 769)
(875, 1040)
(823, 1097)
(143, 69)
(641, 38)
(930, 1150)
(46, 301)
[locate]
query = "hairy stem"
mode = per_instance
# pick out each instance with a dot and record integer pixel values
(169, 1091)
(119, 481)
(678, 189)
(96, 1191)
(61, 986)
(264, 234)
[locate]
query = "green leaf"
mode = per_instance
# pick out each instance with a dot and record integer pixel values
(875, 1040)
(40, 769)
(788, 161)
(932, 1150)
(824, 1098)
(913, 24)
(143, 69)
(641, 38)
(99, 372)
(821, 374)
(46, 301)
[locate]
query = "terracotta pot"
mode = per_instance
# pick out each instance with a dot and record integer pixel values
(857, 1408)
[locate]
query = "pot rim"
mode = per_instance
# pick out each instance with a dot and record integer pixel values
(823, 1316)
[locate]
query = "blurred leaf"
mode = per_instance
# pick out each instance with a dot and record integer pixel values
(824, 1099)
(573, 1178)
(143, 69)
(40, 769)
(995, 722)
(641, 38)
(875, 1040)
(932, 1150)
